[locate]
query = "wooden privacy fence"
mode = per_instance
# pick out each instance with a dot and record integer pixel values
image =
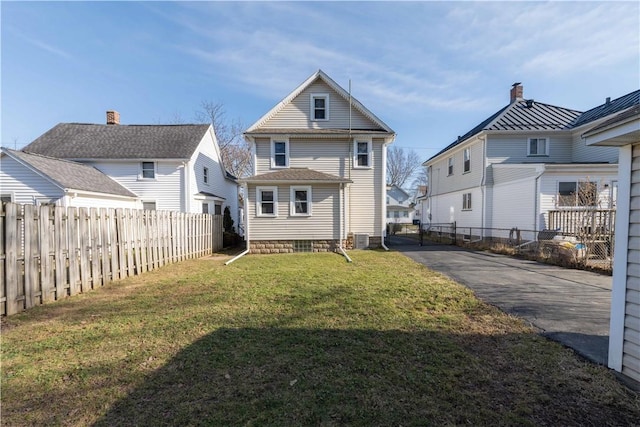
(48, 253)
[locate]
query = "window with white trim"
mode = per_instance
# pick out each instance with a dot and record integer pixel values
(6, 198)
(217, 210)
(537, 147)
(301, 201)
(319, 106)
(466, 201)
(450, 166)
(466, 155)
(205, 207)
(266, 201)
(362, 154)
(148, 170)
(205, 175)
(280, 153)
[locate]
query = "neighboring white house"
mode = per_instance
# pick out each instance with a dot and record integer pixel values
(319, 172)
(400, 206)
(523, 161)
(169, 167)
(34, 179)
(623, 131)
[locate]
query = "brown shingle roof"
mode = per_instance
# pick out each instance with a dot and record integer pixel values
(296, 175)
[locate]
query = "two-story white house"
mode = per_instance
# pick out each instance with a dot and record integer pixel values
(168, 167)
(521, 162)
(400, 206)
(319, 173)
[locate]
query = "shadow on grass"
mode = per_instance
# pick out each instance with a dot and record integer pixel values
(287, 376)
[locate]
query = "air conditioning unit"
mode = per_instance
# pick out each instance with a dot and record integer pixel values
(361, 241)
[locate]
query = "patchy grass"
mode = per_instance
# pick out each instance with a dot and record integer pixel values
(300, 339)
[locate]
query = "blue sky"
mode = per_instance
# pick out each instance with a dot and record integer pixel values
(430, 70)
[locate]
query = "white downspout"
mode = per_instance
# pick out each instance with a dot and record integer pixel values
(187, 190)
(536, 198)
(483, 184)
(246, 227)
(344, 214)
(383, 231)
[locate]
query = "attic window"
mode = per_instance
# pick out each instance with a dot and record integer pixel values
(319, 106)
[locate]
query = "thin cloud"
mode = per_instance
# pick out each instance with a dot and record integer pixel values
(44, 46)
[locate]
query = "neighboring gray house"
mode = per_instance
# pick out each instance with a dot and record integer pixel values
(169, 167)
(521, 162)
(319, 172)
(35, 179)
(400, 206)
(623, 131)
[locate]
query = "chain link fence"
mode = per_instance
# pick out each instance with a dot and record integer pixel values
(593, 251)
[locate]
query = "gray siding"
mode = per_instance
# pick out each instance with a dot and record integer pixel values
(513, 148)
(502, 175)
(592, 153)
(631, 343)
(324, 223)
(296, 114)
(444, 183)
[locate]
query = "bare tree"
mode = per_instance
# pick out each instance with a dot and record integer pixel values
(236, 153)
(401, 166)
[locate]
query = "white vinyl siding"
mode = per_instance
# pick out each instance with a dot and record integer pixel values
(447, 208)
(631, 340)
(513, 205)
(166, 189)
(504, 173)
(323, 224)
(297, 113)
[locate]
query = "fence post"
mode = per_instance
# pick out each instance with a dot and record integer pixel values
(11, 248)
(455, 233)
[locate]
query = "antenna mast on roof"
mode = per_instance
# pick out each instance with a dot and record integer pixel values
(349, 106)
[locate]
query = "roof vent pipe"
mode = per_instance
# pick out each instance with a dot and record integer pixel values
(529, 103)
(608, 100)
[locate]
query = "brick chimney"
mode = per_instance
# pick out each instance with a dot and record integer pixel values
(517, 92)
(113, 117)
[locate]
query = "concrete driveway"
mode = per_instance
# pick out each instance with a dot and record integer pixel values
(569, 306)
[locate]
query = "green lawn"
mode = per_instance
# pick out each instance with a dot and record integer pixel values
(300, 339)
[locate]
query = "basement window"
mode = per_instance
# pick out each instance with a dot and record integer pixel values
(302, 246)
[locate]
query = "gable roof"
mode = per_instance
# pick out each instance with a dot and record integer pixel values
(69, 175)
(521, 115)
(528, 115)
(301, 175)
(321, 75)
(96, 141)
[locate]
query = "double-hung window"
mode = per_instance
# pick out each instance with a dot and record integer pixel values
(450, 166)
(205, 175)
(362, 154)
(280, 153)
(301, 201)
(319, 106)
(266, 201)
(148, 170)
(149, 205)
(466, 202)
(466, 166)
(538, 147)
